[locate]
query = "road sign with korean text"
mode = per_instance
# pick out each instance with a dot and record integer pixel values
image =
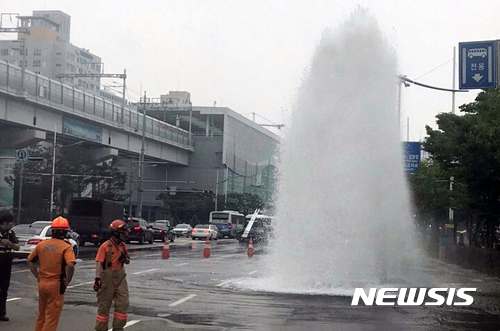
(478, 64)
(411, 151)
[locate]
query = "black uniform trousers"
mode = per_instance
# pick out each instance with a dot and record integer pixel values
(5, 270)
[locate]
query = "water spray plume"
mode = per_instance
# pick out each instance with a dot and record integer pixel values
(342, 199)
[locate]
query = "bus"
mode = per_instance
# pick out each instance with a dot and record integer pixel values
(229, 222)
(260, 230)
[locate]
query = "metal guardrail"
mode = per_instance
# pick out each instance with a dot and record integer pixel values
(52, 93)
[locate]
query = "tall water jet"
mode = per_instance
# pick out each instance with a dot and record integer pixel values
(343, 205)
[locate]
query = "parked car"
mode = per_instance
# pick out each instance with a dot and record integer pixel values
(30, 235)
(183, 230)
(140, 230)
(162, 231)
(203, 231)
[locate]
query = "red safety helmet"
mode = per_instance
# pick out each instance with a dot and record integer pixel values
(118, 225)
(60, 223)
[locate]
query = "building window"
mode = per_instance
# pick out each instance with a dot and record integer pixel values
(58, 53)
(58, 64)
(21, 51)
(37, 63)
(37, 52)
(5, 52)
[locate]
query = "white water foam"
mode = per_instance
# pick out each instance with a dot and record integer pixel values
(344, 216)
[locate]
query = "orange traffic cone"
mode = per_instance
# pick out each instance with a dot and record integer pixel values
(250, 247)
(166, 249)
(206, 251)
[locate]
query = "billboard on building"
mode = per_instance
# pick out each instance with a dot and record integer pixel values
(82, 129)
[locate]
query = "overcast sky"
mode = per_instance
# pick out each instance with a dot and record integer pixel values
(250, 56)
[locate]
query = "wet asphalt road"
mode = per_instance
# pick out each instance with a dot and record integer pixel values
(189, 292)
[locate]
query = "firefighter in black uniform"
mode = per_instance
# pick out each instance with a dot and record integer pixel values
(8, 243)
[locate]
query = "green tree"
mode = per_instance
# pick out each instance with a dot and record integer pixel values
(245, 203)
(467, 147)
(192, 207)
(79, 172)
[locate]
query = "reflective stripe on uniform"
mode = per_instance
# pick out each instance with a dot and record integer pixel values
(102, 319)
(120, 316)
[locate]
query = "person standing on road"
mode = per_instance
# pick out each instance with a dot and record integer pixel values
(111, 279)
(8, 243)
(56, 261)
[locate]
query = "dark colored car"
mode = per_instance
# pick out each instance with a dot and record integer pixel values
(140, 230)
(162, 231)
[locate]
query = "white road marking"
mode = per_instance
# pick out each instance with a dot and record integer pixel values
(148, 255)
(13, 299)
(142, 272)
(223, 283)
(129, 323)
(163, 315)
(178, 265)
(252, 272)
(19, 271)
(189, 297)
(82, 284)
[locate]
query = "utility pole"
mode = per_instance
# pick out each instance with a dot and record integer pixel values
(19, 30)
(20, 192)
(23, 66)
(141, 160)
(407, 127)
(451, 220)
(216, 189)
(123, 94)
(53, 174)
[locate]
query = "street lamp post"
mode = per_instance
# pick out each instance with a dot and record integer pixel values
(141, 160)
(54, 169)
(20, 192)
(53, 174)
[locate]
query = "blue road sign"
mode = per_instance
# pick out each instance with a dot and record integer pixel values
(22, 154)
(411, 156)
(33, 180)
(478, 64)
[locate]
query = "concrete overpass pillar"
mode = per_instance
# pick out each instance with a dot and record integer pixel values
(21, 138)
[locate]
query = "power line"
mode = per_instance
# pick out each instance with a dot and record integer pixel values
(434, 69)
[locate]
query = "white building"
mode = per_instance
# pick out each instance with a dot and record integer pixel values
(49, 51)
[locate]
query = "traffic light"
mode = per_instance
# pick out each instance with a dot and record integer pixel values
(207, 192)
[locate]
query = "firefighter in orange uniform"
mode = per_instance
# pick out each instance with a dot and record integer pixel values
(56, 267)
(111, 279)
